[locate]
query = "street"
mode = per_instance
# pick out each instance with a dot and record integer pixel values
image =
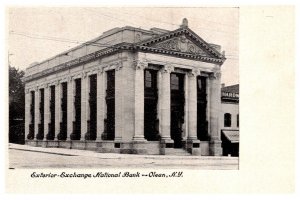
(22, 156)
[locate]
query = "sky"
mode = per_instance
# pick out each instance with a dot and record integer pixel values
(38, 33)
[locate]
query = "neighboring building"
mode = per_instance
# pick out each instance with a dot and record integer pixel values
(129, 91)
(230, 120)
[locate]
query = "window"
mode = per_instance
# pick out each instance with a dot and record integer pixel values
(148, 79)
(237, 120)
(174, 82)
(227, 120)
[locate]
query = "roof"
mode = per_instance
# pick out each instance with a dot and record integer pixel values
(230, 94)
(232, 135)
(231, 89)
(182, 43)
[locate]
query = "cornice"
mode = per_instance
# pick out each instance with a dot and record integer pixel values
(217, 58)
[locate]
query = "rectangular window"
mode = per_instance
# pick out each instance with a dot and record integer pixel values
(237, 120)
(148, 79)
(150, 105)
(202, 123)
(227, 120)
(109, 132)
(174, 82)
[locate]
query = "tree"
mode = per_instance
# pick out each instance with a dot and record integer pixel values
(16, 105)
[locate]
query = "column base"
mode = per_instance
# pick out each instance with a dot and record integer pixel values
(164, 144)
(53, 143)
(138, 147)
(67, 144)
(32, 142)
(78, 144)
(139, 138)
(117, 142)
(193, 146)
(215, 148)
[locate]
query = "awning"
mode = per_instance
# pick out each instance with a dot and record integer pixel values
(232, 135)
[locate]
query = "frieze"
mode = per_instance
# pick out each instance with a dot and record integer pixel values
(72, 62)
(64, 80)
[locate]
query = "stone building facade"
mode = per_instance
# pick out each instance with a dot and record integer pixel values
(129, 91)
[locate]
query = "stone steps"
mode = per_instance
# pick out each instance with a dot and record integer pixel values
(177, 152)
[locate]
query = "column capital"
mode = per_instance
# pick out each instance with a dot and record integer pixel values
(100, 70)
(56, 83)
(36, 88)
(215, 75)
(83, 74)
(118, 65)
(139, 65)
(194, 72)
(70, 78)
(167, 69)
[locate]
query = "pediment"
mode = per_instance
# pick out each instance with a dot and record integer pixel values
(182, 42)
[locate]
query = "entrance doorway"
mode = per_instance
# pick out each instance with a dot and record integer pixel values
(177, 108)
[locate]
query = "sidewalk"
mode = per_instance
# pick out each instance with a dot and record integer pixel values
(24, 156)
(76, 152)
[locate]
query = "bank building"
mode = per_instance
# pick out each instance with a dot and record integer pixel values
(129, 91)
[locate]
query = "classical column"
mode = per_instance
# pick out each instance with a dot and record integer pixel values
(185, 126)
(208, 103)
(36, 112)
(165, 104)
(192, 104)
(70, 107)
(46, 110)
(119, 113)
(87, 133)
(215, 109)
(139, 101)
(193, 144)
(84, 103)
(57, 108)
(100, 103)
(27, 112)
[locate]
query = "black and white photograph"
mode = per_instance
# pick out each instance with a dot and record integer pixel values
(161, 87)
(146, 95)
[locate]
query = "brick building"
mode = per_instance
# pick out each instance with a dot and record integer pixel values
(129, 91)
(229, 119)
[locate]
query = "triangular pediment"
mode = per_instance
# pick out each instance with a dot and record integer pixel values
(183, 42)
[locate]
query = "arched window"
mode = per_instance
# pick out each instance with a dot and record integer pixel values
(237, 120)
(227, 120)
